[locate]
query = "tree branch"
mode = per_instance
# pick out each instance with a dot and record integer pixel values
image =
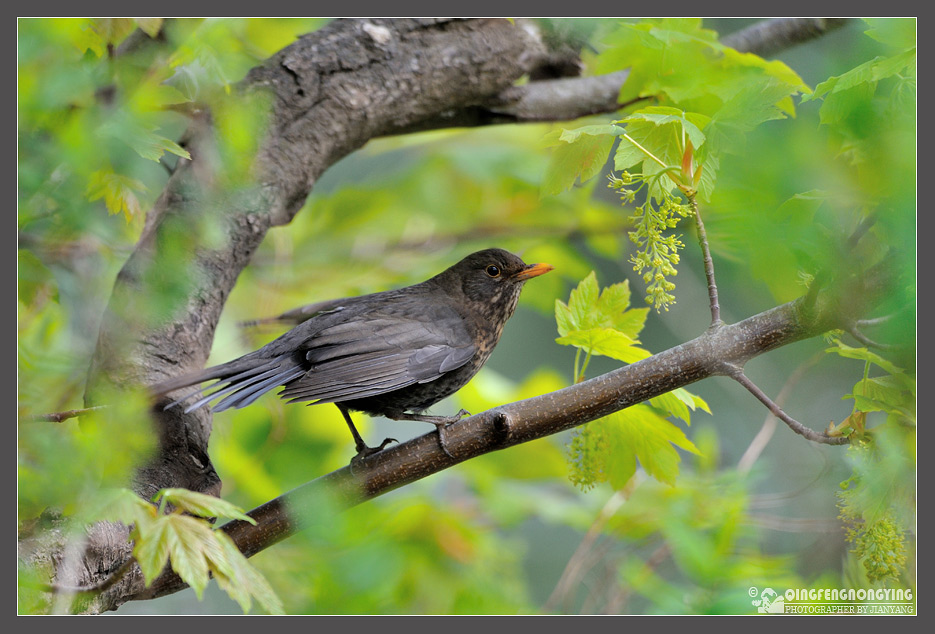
(776, 411)
(59, 417)
(769, 37)
(572, 98)
(763, 436)
(708, 265)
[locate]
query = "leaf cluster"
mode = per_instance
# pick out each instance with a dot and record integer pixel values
(709, 96)
(876, 501)
(185, 539)
(607, 450)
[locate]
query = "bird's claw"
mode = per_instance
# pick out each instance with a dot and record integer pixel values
(365, 451)
(443, 437)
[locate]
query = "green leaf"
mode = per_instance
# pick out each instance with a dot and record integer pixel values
(894, 394)
(141, 138)
(191, 544)
(641, 433)
(863, 354)
(679, 403)
(117, 191)
(152, 548)
(709, 171)
(896, 32)
(123, 505)
(242, 581)
(852, 91)
(202, 505)
(572, 136)
(684, 64)
(577, 314)
(743, 111)
(657, 140)
(607, 342)
(581, 159)
(690, 122)
(601, 322)
(646, 141)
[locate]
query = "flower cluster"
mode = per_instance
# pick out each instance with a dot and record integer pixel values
(657, 254)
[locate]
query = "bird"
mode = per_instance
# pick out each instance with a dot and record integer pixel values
(393, 353)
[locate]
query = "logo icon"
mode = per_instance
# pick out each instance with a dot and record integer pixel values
(768, 601)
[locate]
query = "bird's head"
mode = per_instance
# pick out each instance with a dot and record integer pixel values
(490, 281)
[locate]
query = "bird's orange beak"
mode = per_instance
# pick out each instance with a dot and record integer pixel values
(534, 270)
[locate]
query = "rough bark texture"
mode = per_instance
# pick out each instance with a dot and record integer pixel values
(333, 90)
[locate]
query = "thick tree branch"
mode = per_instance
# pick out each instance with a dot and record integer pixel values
(572, 98)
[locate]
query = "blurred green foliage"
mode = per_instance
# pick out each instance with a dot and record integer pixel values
(102, 115)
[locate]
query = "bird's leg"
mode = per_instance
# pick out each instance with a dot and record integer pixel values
(362, 449)
(441, 424)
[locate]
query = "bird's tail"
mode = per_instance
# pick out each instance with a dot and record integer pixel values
(242, 381)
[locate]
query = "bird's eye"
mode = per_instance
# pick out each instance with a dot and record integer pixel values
(493, 270)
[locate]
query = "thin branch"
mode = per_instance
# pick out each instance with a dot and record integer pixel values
(793, 424)
(772, 36)
(581, 561)
(97, 588)
(708, 264)
(616, 603)
(876, 321)
(58, 417)
(867, 341)
(762, 438)
(794, 524)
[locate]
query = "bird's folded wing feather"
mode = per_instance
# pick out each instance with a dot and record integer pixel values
(347, 359)
(367, 358)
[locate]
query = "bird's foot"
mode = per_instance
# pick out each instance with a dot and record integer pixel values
(443, 437)
(435, 420)
(441, 424)
(364, 451)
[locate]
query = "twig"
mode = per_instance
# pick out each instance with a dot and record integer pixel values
(101, 586)
(616, 603)
(58, 417)
(876, 321)
(708, 264)
(862, 228)
(794, 524)
(867, 341)
(576, 567)
(763, 436)
(793, 424)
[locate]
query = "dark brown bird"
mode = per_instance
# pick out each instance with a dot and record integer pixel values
(391, 354)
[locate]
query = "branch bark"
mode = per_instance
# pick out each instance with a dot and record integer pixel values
(332, 91)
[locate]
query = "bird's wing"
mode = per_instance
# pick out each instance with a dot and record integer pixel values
(380, 354)
(342, 355)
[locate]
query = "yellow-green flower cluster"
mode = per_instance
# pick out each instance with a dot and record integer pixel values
(657, 254)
